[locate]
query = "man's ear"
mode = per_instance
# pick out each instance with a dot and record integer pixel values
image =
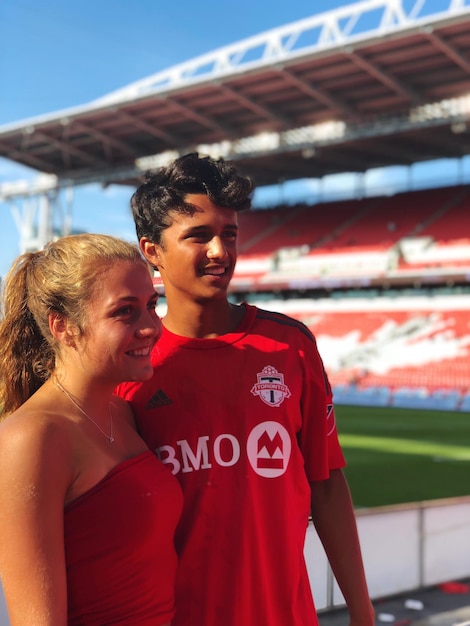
(151, 251)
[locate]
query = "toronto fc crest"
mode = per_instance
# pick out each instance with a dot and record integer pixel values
(270, 386)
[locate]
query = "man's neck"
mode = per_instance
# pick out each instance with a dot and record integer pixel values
(203, 321)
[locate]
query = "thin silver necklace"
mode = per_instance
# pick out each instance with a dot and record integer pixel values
(109, 436)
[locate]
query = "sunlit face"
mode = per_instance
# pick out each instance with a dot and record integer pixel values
(198, 252)
(121, 324)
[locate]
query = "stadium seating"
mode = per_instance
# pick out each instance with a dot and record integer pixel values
(403, 234)
(401, 352)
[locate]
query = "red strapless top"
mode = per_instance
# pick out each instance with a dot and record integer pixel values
(120, 556)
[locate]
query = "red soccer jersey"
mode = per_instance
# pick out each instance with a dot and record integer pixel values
(245, 421)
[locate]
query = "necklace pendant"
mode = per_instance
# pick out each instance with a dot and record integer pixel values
(111, 439)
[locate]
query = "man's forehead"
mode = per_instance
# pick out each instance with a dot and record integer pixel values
(202, 209)
(203, 202)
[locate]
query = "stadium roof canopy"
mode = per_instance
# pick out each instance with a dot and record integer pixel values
(375, 83)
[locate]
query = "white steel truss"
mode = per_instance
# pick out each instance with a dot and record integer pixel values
(326, 31)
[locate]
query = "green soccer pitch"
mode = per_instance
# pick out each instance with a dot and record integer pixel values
(404, 455)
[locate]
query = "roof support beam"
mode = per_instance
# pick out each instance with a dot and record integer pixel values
(450, 51)
(197, 117)
(253, 106)
(384, 77)
(319, 95)
(24, 157)
(141, 124)
(67, 149)
(107, 140)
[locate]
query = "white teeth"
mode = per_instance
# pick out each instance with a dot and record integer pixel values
(141, 352)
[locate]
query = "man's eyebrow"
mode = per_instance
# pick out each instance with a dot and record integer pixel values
(205, 227)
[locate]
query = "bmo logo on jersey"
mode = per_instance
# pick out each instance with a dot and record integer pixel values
(268, 448)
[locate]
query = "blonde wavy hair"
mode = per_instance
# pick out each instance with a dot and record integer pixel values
(61, 278)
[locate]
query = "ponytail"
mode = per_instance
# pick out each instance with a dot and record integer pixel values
(26, 358)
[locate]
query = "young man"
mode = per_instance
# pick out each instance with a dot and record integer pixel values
(241, 410)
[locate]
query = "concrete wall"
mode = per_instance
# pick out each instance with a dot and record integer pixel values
(405, 547)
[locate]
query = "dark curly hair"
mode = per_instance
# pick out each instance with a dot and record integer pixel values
(165, 190)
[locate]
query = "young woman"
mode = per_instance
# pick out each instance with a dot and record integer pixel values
(88, 512)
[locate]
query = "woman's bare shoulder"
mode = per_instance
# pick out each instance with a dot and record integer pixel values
(34, 441)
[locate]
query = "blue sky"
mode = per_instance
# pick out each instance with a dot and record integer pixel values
(56, 54)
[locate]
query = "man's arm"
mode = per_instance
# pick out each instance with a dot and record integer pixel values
(335, 522)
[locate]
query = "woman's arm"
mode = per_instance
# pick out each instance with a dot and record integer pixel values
(35, 471)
